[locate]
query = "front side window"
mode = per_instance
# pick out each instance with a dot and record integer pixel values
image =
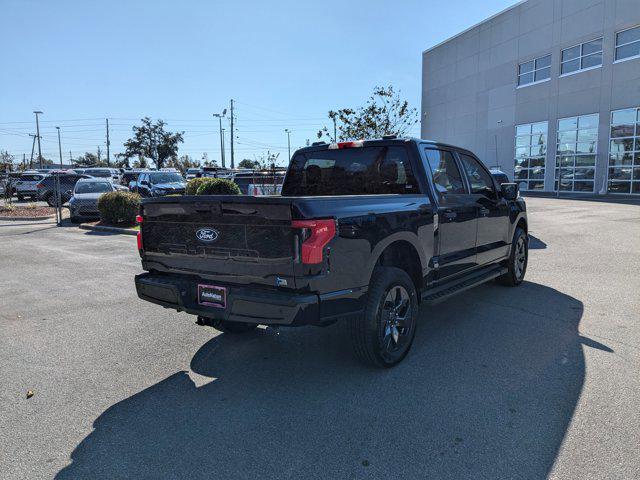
(534, 71)
(479, 179)
(624, 152)
(446, 175)
(581, 57)
(530, 155)
(576, 153)
(628, 43)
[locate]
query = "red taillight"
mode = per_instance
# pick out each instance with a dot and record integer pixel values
(320, 234)
(39, 185)
(139, 235)
(342, 145)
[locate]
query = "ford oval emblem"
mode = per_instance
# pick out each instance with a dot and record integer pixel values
(207, 235)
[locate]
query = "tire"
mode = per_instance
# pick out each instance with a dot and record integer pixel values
(518, 260)
(20, 198)
(383, 334)
(226, 326)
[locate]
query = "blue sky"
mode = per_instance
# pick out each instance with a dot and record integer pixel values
(285, 63)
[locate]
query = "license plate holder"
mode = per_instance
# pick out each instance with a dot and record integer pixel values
(212, 296)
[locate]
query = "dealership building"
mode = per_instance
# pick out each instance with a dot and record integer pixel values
(547, 90)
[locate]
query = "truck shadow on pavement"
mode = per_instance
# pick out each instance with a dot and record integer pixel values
(488, 391)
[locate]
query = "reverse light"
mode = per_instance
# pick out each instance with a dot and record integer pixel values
(320, 233)
(139, 235)
(343, 145)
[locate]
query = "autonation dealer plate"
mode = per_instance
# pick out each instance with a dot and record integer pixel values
(212, 296)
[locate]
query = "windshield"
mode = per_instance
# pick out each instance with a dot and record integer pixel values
(93, 187)
(354, 171)
(165, 178)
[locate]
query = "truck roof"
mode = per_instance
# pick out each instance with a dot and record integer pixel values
(386, 140)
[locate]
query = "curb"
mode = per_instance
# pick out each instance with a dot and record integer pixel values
(28, 219)
(102, 228)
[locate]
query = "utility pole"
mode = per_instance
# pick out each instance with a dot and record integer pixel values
(220, 115)
(288, 132)
(33, 146)
(233, 164)
(335, 135)
(59, 147)
(98, 153)
(70, 159)
(24, 161)
(38, 112)
(495, 137)
(222, 136)
(108, 143)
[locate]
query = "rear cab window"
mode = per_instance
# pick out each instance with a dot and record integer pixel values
(368, 170)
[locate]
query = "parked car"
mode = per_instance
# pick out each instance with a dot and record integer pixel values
(193, 173)
(47, 187)
(159, 184)
(110, 173)
(84, 202)
(363, 232)
(79, 170)
(10, 182)
(25, 186)
(130, 175)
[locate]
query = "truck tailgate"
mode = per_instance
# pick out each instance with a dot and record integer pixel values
(232, 239)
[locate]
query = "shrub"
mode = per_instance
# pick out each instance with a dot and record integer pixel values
(218, 186)
(119, 207)
(193, 184)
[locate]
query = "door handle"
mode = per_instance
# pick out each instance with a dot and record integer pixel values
(484, 212)
(450, 215)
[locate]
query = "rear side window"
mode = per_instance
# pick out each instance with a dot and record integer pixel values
(479, 179)
(353, 171)
(445, 171)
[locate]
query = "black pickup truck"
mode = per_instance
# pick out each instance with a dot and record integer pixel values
(363, 232)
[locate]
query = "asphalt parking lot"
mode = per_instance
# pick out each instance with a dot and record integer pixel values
(532, 382)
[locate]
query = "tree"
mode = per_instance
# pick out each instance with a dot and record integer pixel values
(385, 113)
(266, 161)
(182, 164)
(89, 160)
(153, 141)
(6, 160)
(141, 162)
(246, 163)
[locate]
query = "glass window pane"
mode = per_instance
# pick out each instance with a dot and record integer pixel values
(621, 145)
(536, 173)
(540, 127)
(567, 137)
(621, 131)
(523, 141)
(619, 187)
(543, 62)
(521, 163)
(523, 129)
(620, 173)
(635, 188)
(566, 148)
(521, 174)
(566, 184)
(624, 117)
(588, 121)
(525, 79)
(585, 161)
(536, 185)
(565, 160)
(543, 74)
(586, 147)
(583, 186)
(631, 35)
(584, 173)
(536, 162)
(570, 53)
(619, 160)
(522, 152)
(631, 50)
(592, 47)
(526, 67)
(636, 173)
(589, 135)
(592, 60)
(539, 150)
(636, 162)
(568, 124)
(570, 66)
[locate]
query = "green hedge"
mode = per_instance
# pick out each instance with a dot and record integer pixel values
(119, 207)
(217, 186)
(193, 184)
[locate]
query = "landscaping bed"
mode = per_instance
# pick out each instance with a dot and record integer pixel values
(26, 212)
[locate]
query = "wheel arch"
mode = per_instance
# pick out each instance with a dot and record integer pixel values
(402, 251)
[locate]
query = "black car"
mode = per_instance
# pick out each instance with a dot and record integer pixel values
(47, 188)
(159, 184)
(129, 176)
(363, 233)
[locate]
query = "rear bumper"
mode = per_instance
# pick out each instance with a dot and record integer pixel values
(249, 304)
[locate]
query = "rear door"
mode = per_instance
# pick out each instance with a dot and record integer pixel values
(493, 211)
(457, 214)
(243, 241)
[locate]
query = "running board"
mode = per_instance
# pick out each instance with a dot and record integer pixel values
(443, 292)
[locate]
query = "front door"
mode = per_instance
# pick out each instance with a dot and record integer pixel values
(457, 215)
(493, 211)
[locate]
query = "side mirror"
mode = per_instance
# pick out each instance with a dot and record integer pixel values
(144, 182)
(509, 191)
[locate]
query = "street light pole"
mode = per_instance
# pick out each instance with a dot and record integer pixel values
(288, 142)
(220, 115)
(59, 147)
(38, 112)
